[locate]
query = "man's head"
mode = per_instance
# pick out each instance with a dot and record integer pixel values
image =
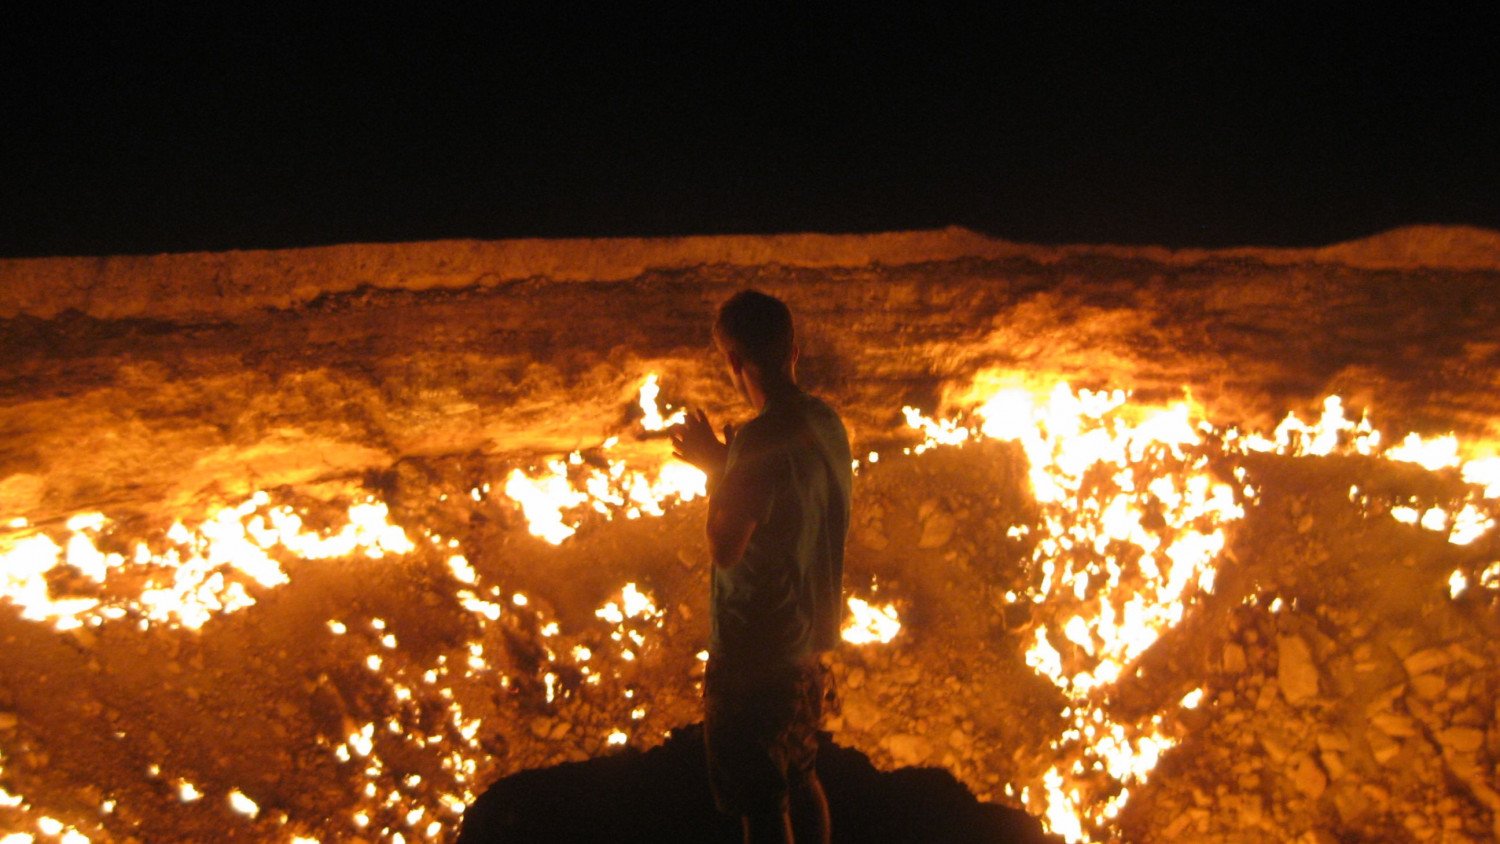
(754, 331)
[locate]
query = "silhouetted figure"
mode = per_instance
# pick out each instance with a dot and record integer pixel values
(778, 514)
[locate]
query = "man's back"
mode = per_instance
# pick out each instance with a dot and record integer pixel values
(782, 602)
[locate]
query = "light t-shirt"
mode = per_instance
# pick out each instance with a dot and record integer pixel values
(783, 601)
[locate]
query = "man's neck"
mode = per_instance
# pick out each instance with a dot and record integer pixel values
(771, 392)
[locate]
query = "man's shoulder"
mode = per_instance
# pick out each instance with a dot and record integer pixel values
(759, 434)
(787, 428)
(827, 425)
(819, 411)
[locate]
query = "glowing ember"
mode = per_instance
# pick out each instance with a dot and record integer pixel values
(1457, 583)
(242, 804)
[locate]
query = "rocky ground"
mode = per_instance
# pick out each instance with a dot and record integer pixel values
(1348, 691)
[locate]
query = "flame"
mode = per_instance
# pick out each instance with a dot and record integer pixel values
(1133, 519)
(1132, 522)
(868, 623)
(1135, 509)
(1431, 454)
(553, 500)
(242, 804)
(1490, 577)
(202, 572)
(653, 420)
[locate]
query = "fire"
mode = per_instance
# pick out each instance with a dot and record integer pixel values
(1136, 506)
(242, 804)
(190, 575)
(1132, 521)
(653, 420)
(868, 623)
(555, 499)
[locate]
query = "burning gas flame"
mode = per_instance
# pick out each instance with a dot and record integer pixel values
(1136, 504)
(869, 624)
(555, 499)
(187, 576)
(653, 420)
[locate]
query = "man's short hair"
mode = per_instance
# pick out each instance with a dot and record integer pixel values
(758, 327)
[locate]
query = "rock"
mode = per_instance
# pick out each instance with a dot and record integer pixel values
(1333, 741)
(1295, 672)
(1274, 748)
(1383, 747)
(959, 740)
(1307, 775)
(541, 727)
(1383, 701)
(1177, 826)
(1428, 686)
(1333, 763)
(860, 714)
(1423, 661)
(856, 678)
(1473, 660)
(905, 677)
(1393, 725)
(937, 529)
(1350, 803)
(1234, 659)
(1461, 739)
(1266, 697)
(8, 721)
(871, 537)
(1459, 692)
(907, 750)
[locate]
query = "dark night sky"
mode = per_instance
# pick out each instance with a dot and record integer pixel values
(1090, 122)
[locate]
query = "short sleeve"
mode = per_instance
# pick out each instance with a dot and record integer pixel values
(756, 470)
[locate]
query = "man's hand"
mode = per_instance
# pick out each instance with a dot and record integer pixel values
(695, 441)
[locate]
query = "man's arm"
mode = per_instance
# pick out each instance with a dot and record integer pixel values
(740, 503)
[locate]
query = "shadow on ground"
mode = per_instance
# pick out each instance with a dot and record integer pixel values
(662, 795)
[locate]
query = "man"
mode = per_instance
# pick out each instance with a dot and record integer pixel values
(778, 513)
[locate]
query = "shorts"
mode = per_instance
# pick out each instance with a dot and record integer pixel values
(760, 729)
